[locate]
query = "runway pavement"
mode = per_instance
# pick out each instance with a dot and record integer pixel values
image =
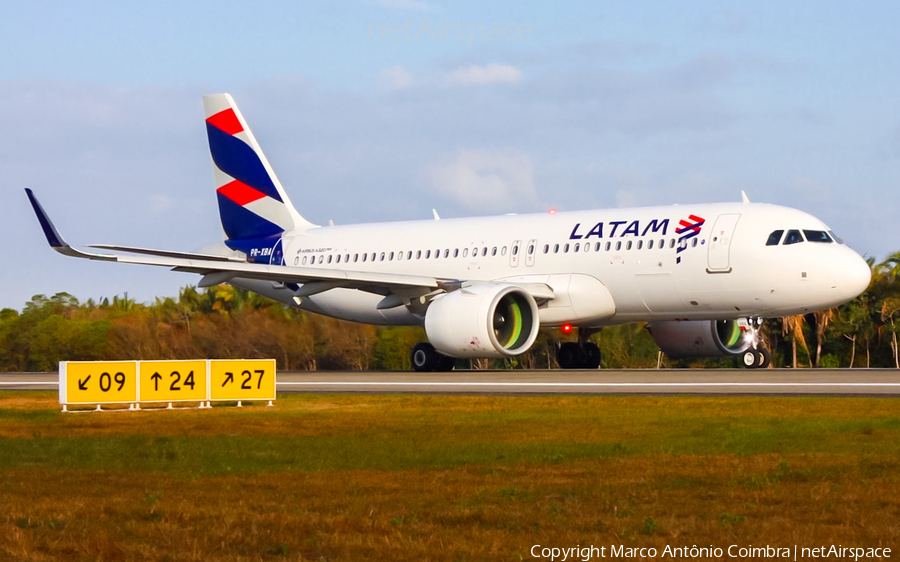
(838, 382)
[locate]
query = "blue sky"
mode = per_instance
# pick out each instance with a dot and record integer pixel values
(579, 105)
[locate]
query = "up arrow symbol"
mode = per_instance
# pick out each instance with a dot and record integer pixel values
(82, 384)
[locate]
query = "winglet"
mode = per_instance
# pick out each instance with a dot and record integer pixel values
(50, 231)
(55, 239)
(436, 217)
(744, 197)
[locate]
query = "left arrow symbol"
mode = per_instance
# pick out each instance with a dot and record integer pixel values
(82, 384)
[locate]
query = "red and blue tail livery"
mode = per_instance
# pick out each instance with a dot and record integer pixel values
(252, 202)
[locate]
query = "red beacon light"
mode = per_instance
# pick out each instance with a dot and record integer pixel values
(552, 210)
(566, 328)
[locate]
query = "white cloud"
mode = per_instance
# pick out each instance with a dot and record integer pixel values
(489, 74)
(486, 180)
(395, 78)
(158, 203)
(405, 4)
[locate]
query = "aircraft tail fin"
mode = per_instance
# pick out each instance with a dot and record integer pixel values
(252, 202)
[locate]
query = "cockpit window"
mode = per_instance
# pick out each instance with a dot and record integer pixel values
(793, 237)
(835, 237)
(774, 238)
(817, 236)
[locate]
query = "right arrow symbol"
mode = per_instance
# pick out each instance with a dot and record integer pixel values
(82, 384)
(228, 379)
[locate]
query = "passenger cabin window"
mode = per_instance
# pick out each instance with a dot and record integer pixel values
(774, 238)
(793, 237)
(546, 248)
(649, 244)
(597, 247)
(304, 260)
(817, 236)
(503, 251)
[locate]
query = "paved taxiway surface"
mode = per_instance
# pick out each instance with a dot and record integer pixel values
(856, 382)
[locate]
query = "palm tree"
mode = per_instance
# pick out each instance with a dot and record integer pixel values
(793, 325)
(822, 318)
(889, 285)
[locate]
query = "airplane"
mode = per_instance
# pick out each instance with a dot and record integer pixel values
(702, 276)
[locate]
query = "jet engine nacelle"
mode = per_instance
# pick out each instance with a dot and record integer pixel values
(488, 320)
(700, 338)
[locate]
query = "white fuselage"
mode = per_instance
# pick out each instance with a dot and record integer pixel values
(713, 265)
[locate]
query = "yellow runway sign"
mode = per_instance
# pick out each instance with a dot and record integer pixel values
(133, 382)
(100, 382)
(171, 381)
(246, 379)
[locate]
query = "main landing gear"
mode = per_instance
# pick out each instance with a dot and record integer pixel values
(425, 358)
(580, 355)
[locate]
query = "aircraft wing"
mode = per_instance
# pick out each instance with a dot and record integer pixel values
(226, 268)
(398, 289)
(218, 269)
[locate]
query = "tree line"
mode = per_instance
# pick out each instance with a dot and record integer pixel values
(225, 322)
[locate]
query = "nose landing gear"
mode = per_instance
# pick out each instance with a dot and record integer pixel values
(756, 356)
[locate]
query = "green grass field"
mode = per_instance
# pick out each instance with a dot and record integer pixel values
(341, 477)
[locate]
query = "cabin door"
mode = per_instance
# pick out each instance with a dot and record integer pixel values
(720, 243)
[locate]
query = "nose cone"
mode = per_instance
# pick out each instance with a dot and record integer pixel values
(856, 275)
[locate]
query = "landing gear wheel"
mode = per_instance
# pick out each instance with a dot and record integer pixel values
(750, 359)
(424, 358)
(764, 358)
(591, 356)
(570, 355)
(445, 363)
